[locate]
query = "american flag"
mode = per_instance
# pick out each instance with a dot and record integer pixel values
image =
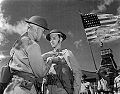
(93, 21)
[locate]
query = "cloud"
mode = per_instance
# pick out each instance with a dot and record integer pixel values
(78, 43)
(102, 6)
(6, 28)
(2, 56)
(118, 10)
(19, 28)
(70, 34)
(108, 2)
(3, 39)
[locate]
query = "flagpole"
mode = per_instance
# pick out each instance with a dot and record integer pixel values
(92, 56)
(90, 47)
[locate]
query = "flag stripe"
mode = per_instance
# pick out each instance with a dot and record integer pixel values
(91, 38)
(90, 35)
(106, 18)
(93, 32)
(91, 28)
(93, 21)
(105, 22)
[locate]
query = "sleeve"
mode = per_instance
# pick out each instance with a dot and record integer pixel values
(76, 71)
(36, 60)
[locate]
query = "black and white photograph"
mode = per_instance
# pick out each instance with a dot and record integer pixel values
(59, 46)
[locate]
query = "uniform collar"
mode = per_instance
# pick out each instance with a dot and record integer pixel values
(57, 52)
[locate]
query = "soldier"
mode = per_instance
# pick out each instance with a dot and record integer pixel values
(27, 64)
(86, 87)
(64, 76)
(102, 86)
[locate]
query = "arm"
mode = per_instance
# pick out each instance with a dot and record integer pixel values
(76, 71)
(36, 60)
(45, 56)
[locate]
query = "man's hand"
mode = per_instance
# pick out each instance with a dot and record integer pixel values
(56, 59)
(53, 59)
(49, 60)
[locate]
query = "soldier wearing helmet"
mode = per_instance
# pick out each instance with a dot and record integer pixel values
(27, 64)
(64, 74)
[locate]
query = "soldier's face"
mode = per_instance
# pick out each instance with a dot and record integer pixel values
(37, 32)
(54, 40)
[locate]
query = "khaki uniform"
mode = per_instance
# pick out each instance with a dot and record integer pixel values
(73, 65)
(27, 58)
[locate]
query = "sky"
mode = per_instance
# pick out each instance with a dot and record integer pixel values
(63, 15)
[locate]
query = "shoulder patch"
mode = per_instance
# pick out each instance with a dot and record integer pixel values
(26, 41)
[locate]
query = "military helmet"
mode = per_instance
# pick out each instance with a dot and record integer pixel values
(56, 31)
(39, 21)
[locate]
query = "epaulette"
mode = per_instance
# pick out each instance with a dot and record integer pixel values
(26, 41)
